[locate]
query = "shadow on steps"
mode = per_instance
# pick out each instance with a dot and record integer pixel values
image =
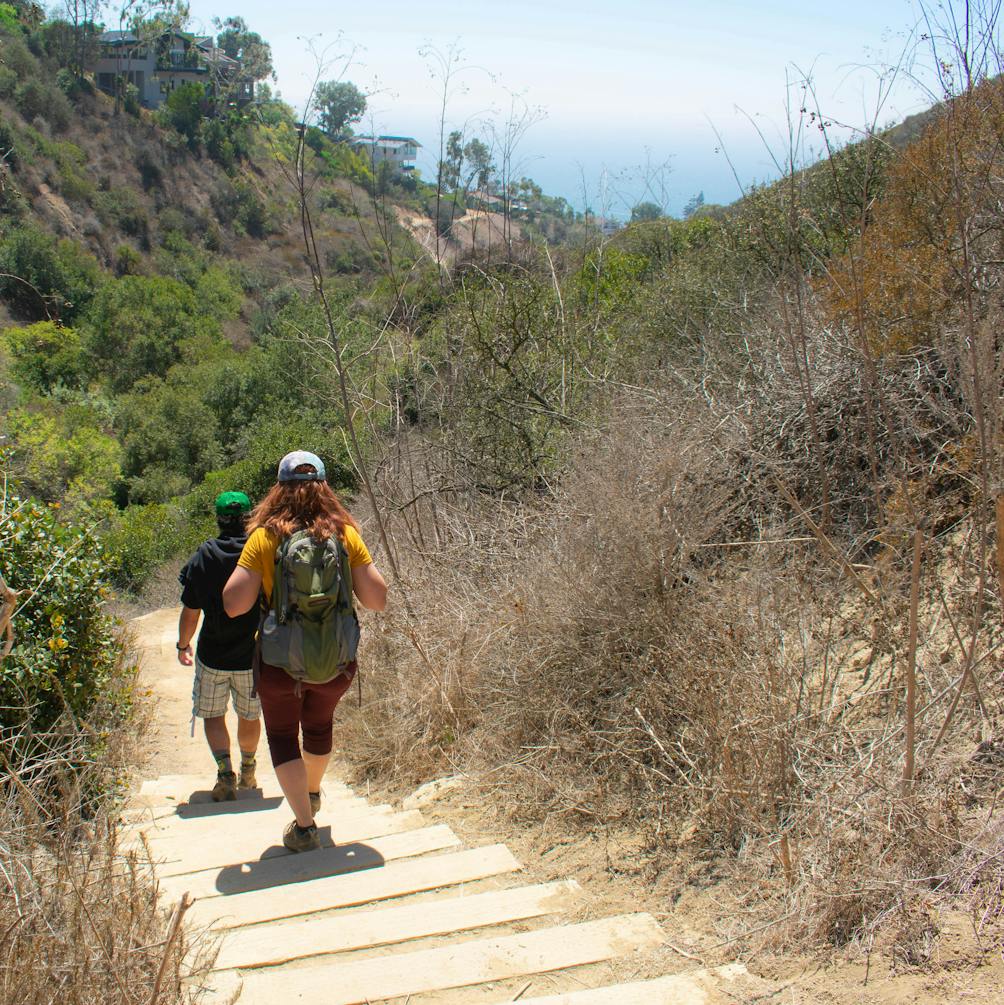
(282, 870)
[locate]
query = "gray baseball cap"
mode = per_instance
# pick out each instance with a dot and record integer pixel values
(289, 464)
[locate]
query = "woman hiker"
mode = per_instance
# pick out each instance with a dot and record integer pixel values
(301, 524)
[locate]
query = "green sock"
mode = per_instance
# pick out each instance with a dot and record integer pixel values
(247, 759)
(223, 765)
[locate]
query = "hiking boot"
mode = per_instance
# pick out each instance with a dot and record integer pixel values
(315, 802)
(225, 788)
(247, 779)
(297, 838)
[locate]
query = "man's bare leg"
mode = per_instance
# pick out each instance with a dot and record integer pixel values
(218, 737)
(248, 735)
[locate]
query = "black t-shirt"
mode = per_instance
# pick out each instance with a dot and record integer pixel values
(225, 643)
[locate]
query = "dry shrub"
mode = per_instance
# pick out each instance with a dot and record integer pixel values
(663, 641)
(81, 921)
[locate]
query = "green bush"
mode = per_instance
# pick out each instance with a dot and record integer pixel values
(136, 326)
(172, 220)
(34, 99)
(44, 355)
(18, 58)
(128, 261)
(8, 138)
(54, 277)
(63, 457)
(227, 139)
(8, 17)
(8, 82)
(170, 439)
(238, 205)
(130, 99)
(141, 538)
(120, 207)
(67, 658)
(183, 111)
(150, 173)
(68, 83)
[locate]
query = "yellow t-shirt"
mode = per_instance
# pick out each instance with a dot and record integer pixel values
(259, 554)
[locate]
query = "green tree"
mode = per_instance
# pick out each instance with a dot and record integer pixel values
(646, 211)
(339, 104)
(170, 438)
(480, 168)
(693, 205)
(41, 277)
(137, 326)
(45, 356)
(184, 110)
(63, 456)
(451, 165)
(240, 43)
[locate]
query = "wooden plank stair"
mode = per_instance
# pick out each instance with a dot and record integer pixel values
(389, 908)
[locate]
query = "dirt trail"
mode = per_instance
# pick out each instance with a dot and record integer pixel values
(397, 907)
(393, 907)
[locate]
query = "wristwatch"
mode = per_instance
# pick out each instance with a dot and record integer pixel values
(181, 648)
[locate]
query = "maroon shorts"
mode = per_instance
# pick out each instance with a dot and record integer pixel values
(288, 705)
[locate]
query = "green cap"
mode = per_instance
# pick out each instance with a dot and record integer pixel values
(232, 504)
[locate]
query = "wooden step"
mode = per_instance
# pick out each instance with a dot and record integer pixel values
(177, 785)
(173, 828)
(697, 987)
(196, 790)
(177, 855)
(396, 879)
(268, 945)
(233, 879)
(457, 965)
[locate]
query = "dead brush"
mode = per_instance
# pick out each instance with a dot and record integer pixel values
(80, 921)
(656, 645)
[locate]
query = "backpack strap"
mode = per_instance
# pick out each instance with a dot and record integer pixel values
(280, 582)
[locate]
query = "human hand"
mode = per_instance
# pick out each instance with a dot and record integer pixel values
(185, 656)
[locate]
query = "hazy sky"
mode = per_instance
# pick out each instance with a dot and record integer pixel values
(619, 83)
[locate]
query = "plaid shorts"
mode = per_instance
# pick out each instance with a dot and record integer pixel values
(212, 688)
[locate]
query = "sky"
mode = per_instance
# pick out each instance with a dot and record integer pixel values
(623, 100)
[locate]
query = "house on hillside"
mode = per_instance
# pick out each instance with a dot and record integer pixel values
(157, 66)
(489, 200)
(398, 151)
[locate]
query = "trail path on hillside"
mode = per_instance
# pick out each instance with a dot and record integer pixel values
(391, 908)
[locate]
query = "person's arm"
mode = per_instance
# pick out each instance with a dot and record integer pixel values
(241, 591)
(187, 624)
(369, 586)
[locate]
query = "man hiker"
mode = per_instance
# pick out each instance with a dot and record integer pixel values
(223, 656)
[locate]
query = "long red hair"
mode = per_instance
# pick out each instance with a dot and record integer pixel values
(292, 506)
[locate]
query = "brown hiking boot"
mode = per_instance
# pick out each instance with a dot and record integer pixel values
(297, 838)
(315, 802)
(225, 788)
(247, 779)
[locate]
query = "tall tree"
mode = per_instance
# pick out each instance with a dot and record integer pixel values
(339, 104)
(478, 156)
(239, 42)
(645, 211)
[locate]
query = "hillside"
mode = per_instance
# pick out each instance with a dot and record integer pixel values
(693, 533)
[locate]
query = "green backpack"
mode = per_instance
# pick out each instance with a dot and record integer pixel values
(311, 631)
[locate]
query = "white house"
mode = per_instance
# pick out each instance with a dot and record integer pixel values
(399, 151)
(157, 66)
